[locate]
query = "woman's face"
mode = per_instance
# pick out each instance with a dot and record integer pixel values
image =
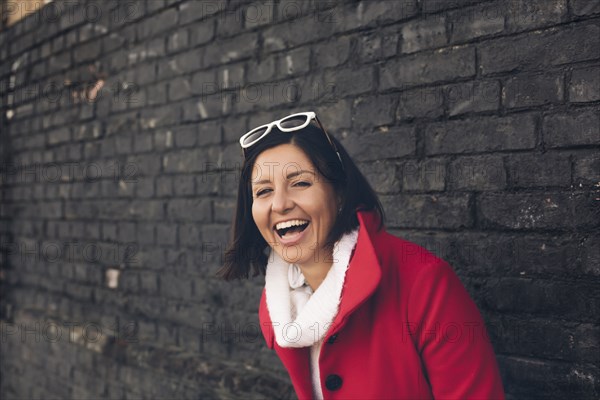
(293, 206)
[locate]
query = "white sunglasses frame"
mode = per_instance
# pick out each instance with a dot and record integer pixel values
(310, 115)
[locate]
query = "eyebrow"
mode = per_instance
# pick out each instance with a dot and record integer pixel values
(289, 176)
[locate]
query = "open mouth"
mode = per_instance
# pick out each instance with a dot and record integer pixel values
(290, 228)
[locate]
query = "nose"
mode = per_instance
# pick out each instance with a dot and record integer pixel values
(282, 202)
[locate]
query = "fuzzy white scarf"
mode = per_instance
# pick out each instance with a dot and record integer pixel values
(285, 294)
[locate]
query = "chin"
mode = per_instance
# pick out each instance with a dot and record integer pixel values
(295, 255)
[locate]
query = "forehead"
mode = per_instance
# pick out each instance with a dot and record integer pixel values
(280, 161)
(283, 156)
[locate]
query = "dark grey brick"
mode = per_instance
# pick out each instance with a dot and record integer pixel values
(157, 23)
(175, 286)
(549, 210)
(230, 23)
(145, 233)
(224, 211)
(205, 82)
(185, 136)
(390, 42)
(370, 112)
(555, 293)
(294, 33)
(144, 73)
(383, 144)
(142, 143)
(477, 173)
(157, 117)
(146, 210)
(209, 132)
(332, 53)
(180, 88)
(139, 165)
(180, 64)
(351, 81)
(185, 161)
(261, 71)
(178, 40)
(423, 176)
(591, 255)
(381, 176)
(196, 10)
(336, 116)
(144, 187)
(368, 14)
(475, 96)
(295, 62)
(478, 21)
(166, 234)
(447, 64)
(258, 14)
(148, 285)
(189, 210)
(59, 135)
(578, 42)
(369, 47)
(164, 186)
(581, 128)
(586, 170)
(549, 169)
(532, 90)
(156, 94)
(585, 7)
(189, 235)
(484, 134)
(428, 211)
(439, 5)
(202, 32)
(227, 50)
(184, 185)
(423, 34)
(209, 106)
(425, 102)
(530, 14)
(584, 85)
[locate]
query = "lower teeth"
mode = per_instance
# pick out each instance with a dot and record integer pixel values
(293, 232)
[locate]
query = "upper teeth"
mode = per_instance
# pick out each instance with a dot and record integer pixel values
(293, 222)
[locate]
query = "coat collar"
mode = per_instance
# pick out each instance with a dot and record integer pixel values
(362, 278)
(364, 272)
(320, 309)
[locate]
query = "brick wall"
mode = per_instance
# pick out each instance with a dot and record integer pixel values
(476, 121)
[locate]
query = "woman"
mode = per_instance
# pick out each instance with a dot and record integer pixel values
(352, 311)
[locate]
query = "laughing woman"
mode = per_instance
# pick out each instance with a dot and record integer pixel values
(352, 311)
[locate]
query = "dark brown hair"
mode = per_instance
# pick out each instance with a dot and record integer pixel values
(247, 248)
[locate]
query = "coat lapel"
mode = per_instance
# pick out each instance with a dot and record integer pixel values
(364, 272)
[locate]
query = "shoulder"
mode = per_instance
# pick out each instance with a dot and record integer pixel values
(406, 258)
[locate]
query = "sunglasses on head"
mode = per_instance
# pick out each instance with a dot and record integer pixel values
(291, 123)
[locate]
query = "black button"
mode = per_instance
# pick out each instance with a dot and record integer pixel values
(332, 338)
(333, 382)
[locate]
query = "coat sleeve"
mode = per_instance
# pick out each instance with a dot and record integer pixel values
(451, 337)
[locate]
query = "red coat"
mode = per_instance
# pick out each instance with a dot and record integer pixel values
(406, 329)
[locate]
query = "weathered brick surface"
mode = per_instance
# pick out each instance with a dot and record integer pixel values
(477, 122)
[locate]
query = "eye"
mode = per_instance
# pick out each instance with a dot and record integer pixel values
(302, 184)
(261, 192)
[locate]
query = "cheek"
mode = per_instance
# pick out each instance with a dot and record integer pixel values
(255, 215)
(258, 216)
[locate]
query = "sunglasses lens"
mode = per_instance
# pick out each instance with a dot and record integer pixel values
(293, 122)
(254, 135)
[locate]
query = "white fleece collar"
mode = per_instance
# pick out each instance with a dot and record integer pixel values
(312, 323)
